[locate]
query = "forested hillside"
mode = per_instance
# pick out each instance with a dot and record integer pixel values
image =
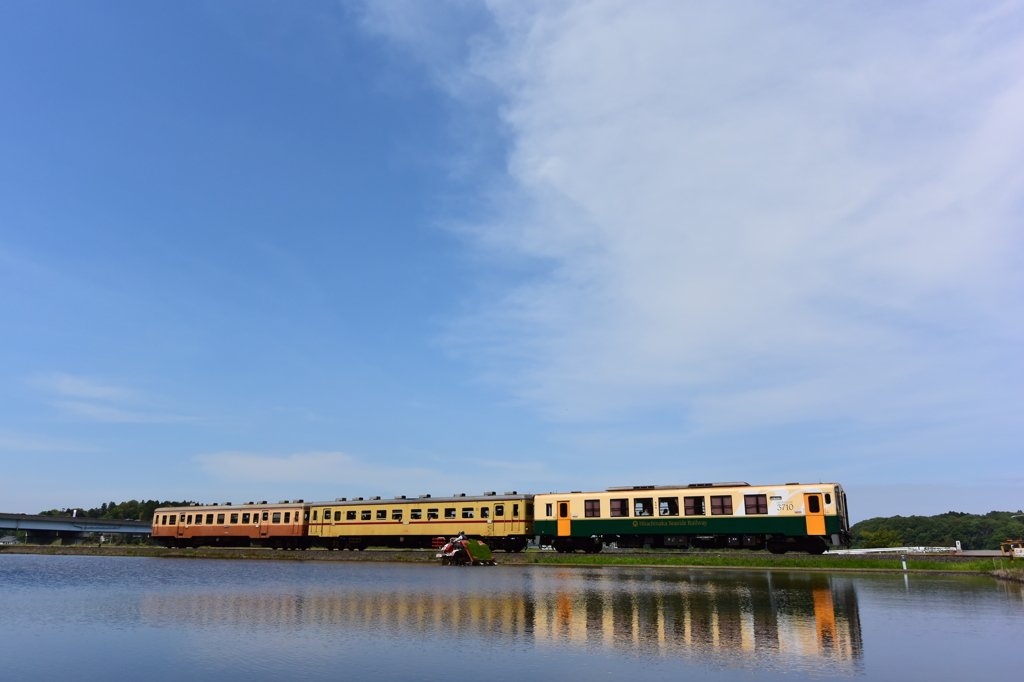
(131, 510)
(972, 530)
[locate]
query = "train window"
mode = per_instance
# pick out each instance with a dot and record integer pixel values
(485, 512)
(721, 505)
(529, 510)
(618, 507)
(416, 514)
(549, 509)
(305, 517)
(327, 515)
(287, 517)
(449, 512)
(431, 514)
(245, 518)
(828, 498)
(693, 506)
(350, 516)
(365, 515)
(467, 512)
(199, 519)
(515, 511)
(813, 504)
(174, 519)
(337, 515)
(668, 506)
(314, 514)
(220, 519)
(591, 508)
(755, 504)
(189, 520)
(382, 514)
(643, 506)
(277, 517)
(164, 523)
(499, 510)
(266, 515)
(234, 518)
(396, 514)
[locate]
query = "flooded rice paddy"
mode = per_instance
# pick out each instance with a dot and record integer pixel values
(109, 618)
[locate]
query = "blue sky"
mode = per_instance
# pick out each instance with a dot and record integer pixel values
(254, 250)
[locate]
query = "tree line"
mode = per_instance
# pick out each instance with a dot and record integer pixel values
(132, 510)
(974, 531)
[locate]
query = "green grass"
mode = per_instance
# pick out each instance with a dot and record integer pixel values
(823, 563)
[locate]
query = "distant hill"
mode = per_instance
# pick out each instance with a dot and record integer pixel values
(131, 510)
(972, 530)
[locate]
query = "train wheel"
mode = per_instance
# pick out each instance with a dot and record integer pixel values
(777, 546)
(817, 546)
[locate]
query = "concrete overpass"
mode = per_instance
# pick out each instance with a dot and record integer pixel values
(44, 530)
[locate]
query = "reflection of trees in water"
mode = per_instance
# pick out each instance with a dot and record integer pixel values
(693, 614)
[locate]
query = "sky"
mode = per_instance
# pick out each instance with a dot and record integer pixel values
(274, 251)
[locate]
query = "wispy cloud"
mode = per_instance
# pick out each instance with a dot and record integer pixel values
(753, 217)
(23, 442)
(70, 386)
(98, 400)
(318, 467)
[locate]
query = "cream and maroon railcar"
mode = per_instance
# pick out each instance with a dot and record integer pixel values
(704, 515)
(502, 521)
(283, 525)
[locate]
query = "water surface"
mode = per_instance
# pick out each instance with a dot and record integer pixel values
(103, 618)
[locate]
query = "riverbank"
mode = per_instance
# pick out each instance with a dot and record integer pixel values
(1014, 574)
(745, 561)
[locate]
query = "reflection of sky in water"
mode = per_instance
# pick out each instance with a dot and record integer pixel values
(236, 620)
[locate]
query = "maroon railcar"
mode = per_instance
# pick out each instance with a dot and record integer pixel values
(284, 525)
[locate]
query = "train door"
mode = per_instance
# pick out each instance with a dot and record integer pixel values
(564, 522)
(264, 517)
(500, 518)
(814, 512)
(181, 525)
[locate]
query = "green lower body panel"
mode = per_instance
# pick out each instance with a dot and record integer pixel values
(727, 525)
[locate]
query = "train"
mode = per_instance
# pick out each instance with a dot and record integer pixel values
(780, 518)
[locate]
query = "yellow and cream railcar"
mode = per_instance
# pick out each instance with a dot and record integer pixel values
(282, 525)
(502, 521)
(706, 515)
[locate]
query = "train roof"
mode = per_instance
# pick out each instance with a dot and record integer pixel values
(688, 486)
(510, 496)
(242, 505)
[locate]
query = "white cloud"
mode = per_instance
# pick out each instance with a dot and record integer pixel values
(316, 467)
(11, 440)
(100, 401)
(116, 415)
(339, 473)
(70, 386)
(757, 216)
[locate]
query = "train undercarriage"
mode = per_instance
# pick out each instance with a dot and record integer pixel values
(776, 544)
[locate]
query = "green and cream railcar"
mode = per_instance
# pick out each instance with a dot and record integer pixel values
(502, 521)
(704, 515)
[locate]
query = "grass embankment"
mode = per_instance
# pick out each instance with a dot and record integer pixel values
(1010, 574)
(767, 561)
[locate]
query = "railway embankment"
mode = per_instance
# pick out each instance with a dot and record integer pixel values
(929, 563)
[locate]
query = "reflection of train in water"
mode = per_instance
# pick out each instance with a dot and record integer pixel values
(753, 618)
(706, 515)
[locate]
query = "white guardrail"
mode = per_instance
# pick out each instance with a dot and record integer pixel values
(896, 550)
